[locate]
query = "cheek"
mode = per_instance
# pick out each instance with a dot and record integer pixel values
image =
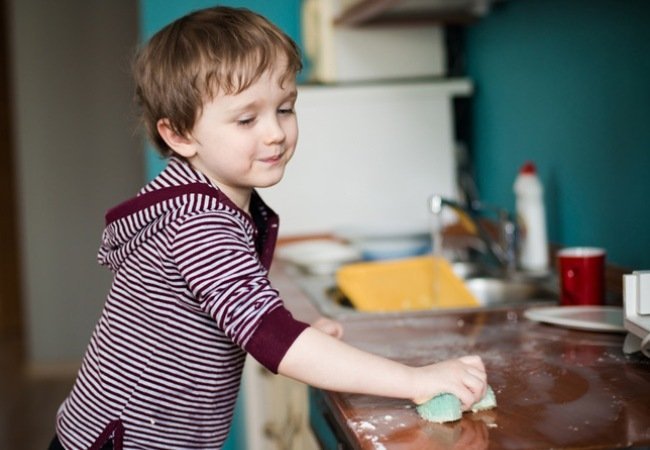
(290, 154)
(292, 134)
(292, 141)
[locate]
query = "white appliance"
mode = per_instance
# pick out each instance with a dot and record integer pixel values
(368, 156)
(636, 298)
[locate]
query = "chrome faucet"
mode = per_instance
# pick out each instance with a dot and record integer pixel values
(503, 247)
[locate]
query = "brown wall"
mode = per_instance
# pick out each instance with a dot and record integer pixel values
(10, 324)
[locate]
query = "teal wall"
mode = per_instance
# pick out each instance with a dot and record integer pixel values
(566, 83)
(154, 15)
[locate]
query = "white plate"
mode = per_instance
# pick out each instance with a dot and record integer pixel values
(591, 318)
(320, 256)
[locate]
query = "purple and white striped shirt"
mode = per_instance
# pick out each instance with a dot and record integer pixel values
(190, 296)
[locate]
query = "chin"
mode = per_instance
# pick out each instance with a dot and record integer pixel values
(270, 179)
(268, 184)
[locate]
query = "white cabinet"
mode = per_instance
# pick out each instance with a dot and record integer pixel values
(277, 411)
(383, 52)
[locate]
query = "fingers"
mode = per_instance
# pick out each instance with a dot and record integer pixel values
(474, 361)
(477, 387)
(473, 379)
(336, 330)
(475, 367)
(469, 391)
(480, 374)
(330, 327)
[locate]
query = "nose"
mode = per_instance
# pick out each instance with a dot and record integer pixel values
(274, 132)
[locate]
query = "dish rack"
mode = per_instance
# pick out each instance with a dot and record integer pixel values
(636, 299)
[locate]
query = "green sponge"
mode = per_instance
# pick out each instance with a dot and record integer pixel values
(441, 408)
(447, 407)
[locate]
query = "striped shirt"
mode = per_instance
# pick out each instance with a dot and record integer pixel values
(190, 296)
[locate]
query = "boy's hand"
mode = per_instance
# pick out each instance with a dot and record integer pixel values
(464, 377)
(328, 326)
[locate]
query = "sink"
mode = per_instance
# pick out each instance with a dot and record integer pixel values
(499, 291)
(491, 290)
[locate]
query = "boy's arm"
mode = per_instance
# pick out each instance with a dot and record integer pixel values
(322, 361)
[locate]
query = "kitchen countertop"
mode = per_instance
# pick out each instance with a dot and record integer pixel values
(555, 387)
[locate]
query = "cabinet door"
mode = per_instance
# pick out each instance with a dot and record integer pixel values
(277, 411)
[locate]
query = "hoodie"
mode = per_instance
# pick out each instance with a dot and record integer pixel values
(190, 296)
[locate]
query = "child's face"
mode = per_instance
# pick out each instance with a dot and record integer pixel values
(245, 141)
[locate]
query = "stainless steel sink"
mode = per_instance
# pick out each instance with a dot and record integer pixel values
(499, 291)
(491, 291)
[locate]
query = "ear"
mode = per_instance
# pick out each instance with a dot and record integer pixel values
(183, 145)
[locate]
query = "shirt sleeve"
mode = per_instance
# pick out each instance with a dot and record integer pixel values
(216, 257)
(273, 337)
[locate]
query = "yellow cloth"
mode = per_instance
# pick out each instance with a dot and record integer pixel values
(424, 282)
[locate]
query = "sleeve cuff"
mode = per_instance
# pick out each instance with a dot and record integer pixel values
(275, 334)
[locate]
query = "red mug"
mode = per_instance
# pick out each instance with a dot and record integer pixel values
(582, 276)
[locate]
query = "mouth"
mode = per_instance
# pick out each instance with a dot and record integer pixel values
(273, 159)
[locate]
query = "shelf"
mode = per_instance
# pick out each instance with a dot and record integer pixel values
(399, 12)
(448, 87)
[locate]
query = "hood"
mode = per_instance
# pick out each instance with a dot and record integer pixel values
(132, 223)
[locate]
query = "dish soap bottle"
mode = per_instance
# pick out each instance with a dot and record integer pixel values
(529, 200)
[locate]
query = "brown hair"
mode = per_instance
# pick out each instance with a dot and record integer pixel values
(211, 51)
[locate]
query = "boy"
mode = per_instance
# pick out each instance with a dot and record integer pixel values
(190, 256)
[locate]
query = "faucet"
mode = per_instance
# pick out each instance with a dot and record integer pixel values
(503, 248)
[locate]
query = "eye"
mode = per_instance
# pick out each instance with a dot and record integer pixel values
(246, 121)
(286, 109)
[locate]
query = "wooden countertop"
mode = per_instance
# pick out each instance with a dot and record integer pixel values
(555, 388)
